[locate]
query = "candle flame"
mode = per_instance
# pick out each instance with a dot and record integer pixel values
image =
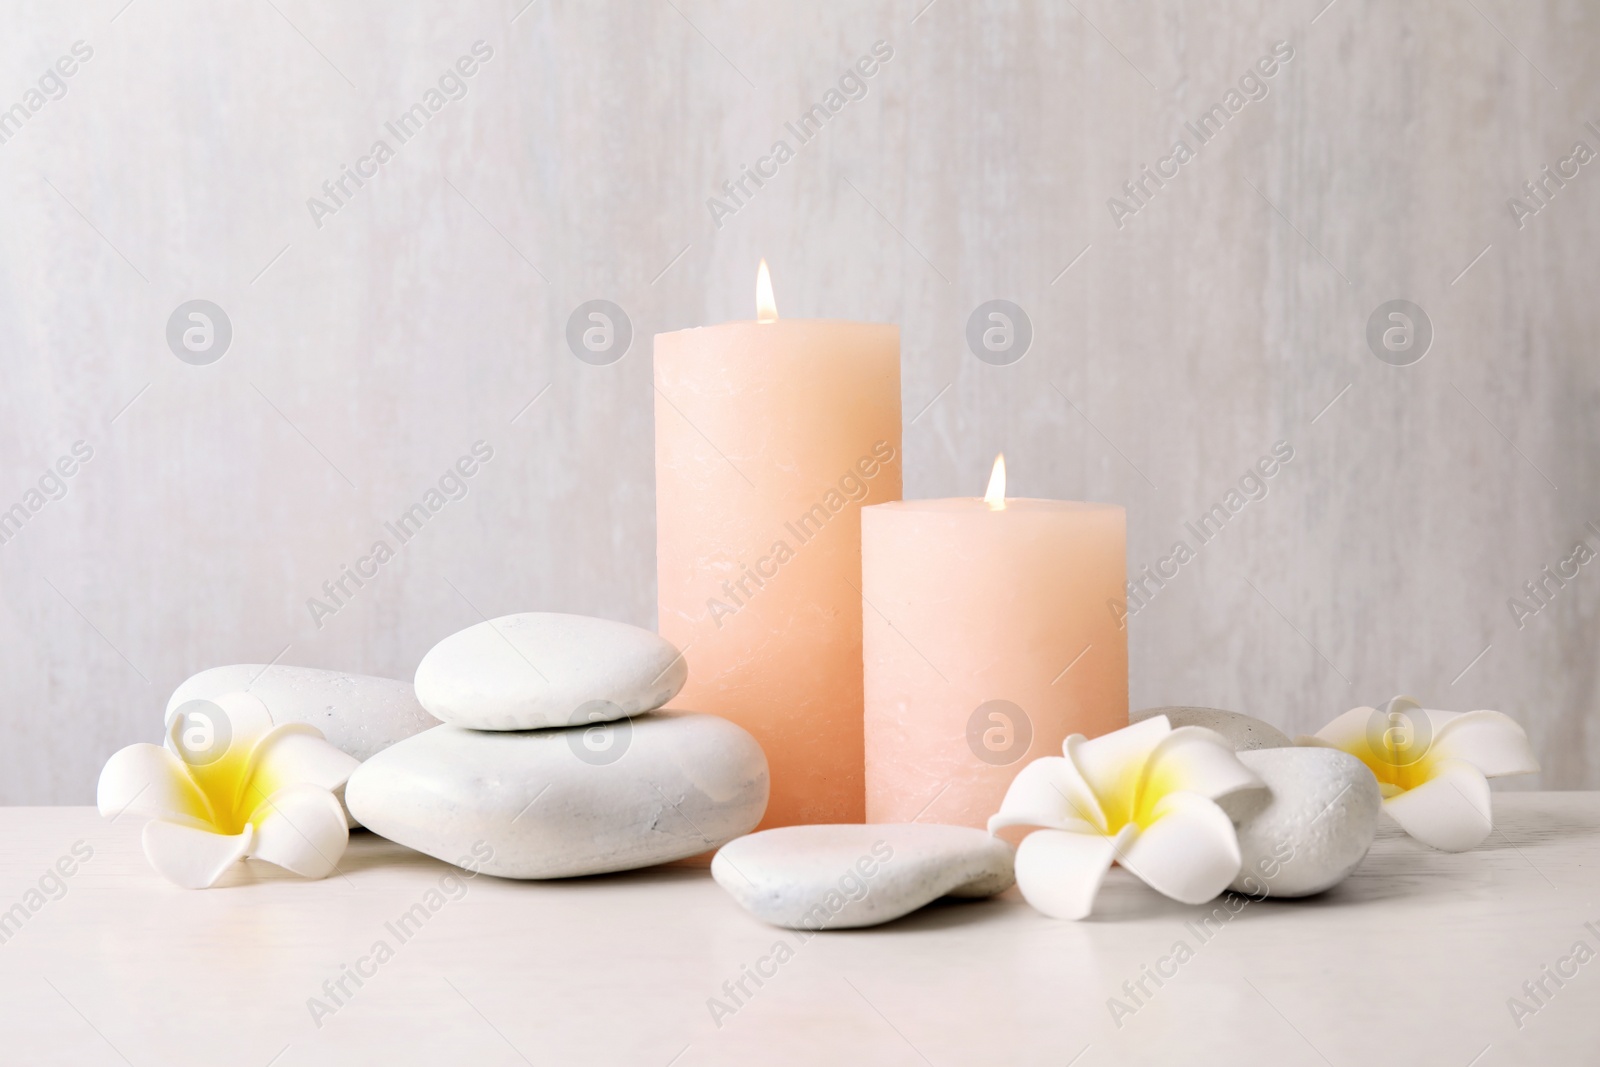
(995, 495)
(766, 303)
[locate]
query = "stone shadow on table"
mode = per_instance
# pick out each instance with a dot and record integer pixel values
(943, 914)
(369, 851)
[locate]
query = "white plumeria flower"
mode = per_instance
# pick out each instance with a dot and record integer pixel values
(230, 784)
(1433, 766)
(1142, 796)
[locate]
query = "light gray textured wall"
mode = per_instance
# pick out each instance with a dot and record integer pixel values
(372, 351)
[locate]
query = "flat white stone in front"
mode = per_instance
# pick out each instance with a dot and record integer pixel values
(837, 876)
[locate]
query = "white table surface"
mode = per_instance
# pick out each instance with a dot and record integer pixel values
(1411, 960)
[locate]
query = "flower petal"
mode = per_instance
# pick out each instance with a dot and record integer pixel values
(1049, 792)
(1395, 743)
(1488, 740)
(1189, 853)
(1357, 729)
(1060, 872)
(302, 829)
(1112, 764)
(1450, 811)
(294, 754)
(1347, 732)
(150, 781)
(1192, 759)
(189, 856)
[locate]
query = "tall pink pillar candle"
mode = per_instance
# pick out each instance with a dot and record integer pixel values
(770, 436)
(990, 635)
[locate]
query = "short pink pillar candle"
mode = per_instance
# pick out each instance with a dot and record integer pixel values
(991, 631)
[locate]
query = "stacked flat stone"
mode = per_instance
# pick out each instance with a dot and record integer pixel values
(530, 746)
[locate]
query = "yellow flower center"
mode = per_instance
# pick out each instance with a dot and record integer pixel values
(1397, 764)
(1134, 796)
(222, 783)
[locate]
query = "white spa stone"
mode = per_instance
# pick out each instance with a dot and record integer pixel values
(538, 669)
(357, 713)
(564, 802)
(838, 876)
(1242, 732)
(1310, 827)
